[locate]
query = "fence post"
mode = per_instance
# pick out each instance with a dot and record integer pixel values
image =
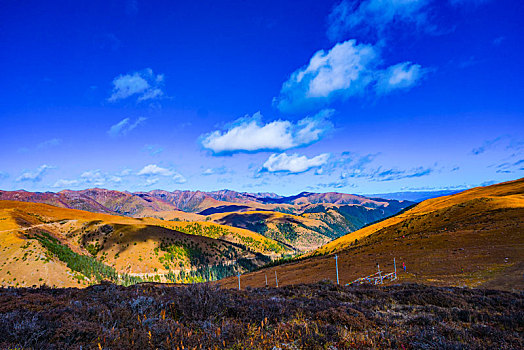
(336, 266)
(395, 266)
(238, 281)
(276, 278)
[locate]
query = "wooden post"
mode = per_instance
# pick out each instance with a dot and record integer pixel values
(395, 266)
(276, 278)
(336, 266)
(266, 279)
(379, 274)
(239, 281)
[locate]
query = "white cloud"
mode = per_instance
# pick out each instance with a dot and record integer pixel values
(124, 126)
(115, 179)
(125, 172)
(311, 129)
(94, 178)
(153, 150)
(251, 135)
(145, 85)
(151, 181)
(153, 169)
(400, 76)
(49, 143)
(217, 171)
(374, 16)
(293, 163)
(63, 183)
(151, 94)
(35, 176)
(346, 70)
(179, 179)
(128, 85)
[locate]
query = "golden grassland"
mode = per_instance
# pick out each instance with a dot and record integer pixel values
(474, 238)
(307, 230)
(130, 245)
(20, 214)
(477, 200)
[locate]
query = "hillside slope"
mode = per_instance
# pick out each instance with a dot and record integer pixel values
(310, 227)
(100, 200)
(40, 243)
(308, 220)
(316, 316)
(473, 238)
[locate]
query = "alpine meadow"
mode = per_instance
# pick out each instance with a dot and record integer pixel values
(339, 174)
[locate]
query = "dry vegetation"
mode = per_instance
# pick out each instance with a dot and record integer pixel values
(40, 243)
(443, 211)
(301, 233)
(310, 219)
(474, 238)
(318, 316)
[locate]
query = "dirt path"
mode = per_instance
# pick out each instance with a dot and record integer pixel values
(34, 226)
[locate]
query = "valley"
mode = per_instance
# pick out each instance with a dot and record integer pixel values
(77, 238)
(474, 238)
(40, 243)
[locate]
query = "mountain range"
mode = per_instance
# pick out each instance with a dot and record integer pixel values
(135, 204)
(77, 238)
(74, 238)
(302, 222)
(473, 238)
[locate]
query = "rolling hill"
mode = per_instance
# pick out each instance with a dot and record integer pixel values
(308, 227)
(473, 238)
(302, 222)
(40, 243)
(414, 196)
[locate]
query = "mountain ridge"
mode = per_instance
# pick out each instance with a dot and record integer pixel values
(129, 203)
(304, 221)
(473, 238)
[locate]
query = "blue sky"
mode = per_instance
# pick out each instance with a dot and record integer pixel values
(365, 96)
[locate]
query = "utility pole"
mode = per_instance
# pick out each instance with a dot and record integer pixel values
(238, 281)
(336, 266)
(276, 278)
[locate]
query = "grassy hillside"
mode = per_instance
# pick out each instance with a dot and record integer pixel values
(40, 243)
(299, 232)
(507, 196)
(308, 227)
(315, 218)
(473, 238)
